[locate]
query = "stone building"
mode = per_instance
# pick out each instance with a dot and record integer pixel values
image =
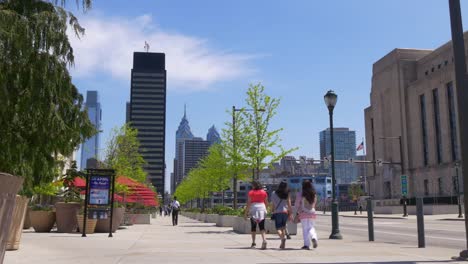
(413, 105)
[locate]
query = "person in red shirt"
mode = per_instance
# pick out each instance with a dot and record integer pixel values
(257, 209)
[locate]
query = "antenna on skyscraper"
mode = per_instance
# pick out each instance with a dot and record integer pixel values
(147, 46)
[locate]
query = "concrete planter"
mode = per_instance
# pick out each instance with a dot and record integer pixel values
(225, 220)
(8, 189)
(16, 227)
(42, 221)
(271, 229)
(241, 225)
(102, 225)
(200, 217)
(211, 218)
(140, 219)
(66, 216)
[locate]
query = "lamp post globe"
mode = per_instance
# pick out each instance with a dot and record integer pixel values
(330, 101)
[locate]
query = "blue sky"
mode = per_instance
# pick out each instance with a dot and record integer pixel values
(214, 49)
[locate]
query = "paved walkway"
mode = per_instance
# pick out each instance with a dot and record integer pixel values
(440, 217)
(195, 242)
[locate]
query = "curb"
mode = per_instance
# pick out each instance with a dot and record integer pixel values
(376, 217)
(452, 219)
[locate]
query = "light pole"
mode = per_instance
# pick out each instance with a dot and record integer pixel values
(458, 43)
(234, 151)
(404, 199)
(330, 101)
(460, 214)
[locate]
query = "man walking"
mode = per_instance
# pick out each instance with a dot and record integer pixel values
(175, 211)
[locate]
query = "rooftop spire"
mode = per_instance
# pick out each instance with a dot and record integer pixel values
(185, 110)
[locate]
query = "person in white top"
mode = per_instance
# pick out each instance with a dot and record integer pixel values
(175, 211)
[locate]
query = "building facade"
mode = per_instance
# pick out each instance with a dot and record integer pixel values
(345, 149)
(413, 105)
(213, 136)
(183, 133)
(194, 150)
(90, 148)
(147, 112)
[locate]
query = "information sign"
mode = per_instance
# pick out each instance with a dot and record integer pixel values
(404, 185)
(99, 189)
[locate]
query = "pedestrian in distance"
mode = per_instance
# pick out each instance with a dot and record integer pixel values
(256, 209)
(281, 210)
(305, 211)
(175, 205)
(160, 210)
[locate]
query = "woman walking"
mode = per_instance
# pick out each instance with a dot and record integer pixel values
(256, 209)
(281, 209)
(305, 208)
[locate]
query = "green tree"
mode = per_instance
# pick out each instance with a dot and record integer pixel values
(261, 139)
(355, 191)
(234, 144)
(41, 113)
(122, 153)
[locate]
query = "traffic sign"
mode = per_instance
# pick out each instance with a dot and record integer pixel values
(379, 162)
(404, 185)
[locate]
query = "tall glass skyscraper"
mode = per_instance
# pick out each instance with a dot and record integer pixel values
(183, 133)
(345, 148)
(90, 148)
(147, 112)
(213, 136)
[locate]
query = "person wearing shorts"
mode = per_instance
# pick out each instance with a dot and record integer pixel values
(281, 208)
(257, 209)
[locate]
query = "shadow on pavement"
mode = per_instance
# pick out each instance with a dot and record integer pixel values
(205, 225)
(211, 232)
(382, 262)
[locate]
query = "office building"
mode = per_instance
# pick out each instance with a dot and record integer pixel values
(90, 148)
(412, 120)
(345, 148)
(194, 150)
(183, 133)
(148, 112)
(213, 136)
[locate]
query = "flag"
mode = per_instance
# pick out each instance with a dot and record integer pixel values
(360, 147)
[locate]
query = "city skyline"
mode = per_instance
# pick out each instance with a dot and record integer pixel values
(90, 148)
(211, 60)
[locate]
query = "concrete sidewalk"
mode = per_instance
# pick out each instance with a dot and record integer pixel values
(192, 242)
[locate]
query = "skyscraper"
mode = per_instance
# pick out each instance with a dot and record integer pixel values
(195, 149)
(148, 112)
(213, 136)
(345, 148)
(183, 133)
(90, 148)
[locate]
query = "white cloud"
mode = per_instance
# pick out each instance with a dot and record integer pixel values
(191, 64)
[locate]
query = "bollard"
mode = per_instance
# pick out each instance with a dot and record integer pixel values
(370, 219)
(420, 221)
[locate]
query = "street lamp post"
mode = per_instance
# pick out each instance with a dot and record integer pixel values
(458, 43)
(460, 214)
(330, 100)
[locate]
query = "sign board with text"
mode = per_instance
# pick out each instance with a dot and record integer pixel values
(99, 190)
(404, 185)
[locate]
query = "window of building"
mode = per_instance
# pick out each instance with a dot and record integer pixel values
(452, 121)
(446, 62)
(422, 104)
(426, 73)
(426, 187)
(440, 185)
(242, 188)
(432, 69)
(435, 97)
(387, 190)
(438, 66)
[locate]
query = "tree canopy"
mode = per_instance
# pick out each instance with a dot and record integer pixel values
(41, 113)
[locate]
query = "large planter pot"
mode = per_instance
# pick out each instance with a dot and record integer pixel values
(102, 225)
(66, 216)
(42, 221)
(241, 225)
(90, 224)
(16, 227)
(27, 219)
(8, 189)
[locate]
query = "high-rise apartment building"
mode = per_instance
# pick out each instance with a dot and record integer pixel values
(345, 148)
(148, 112)
(90, 148)
(413, 99)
